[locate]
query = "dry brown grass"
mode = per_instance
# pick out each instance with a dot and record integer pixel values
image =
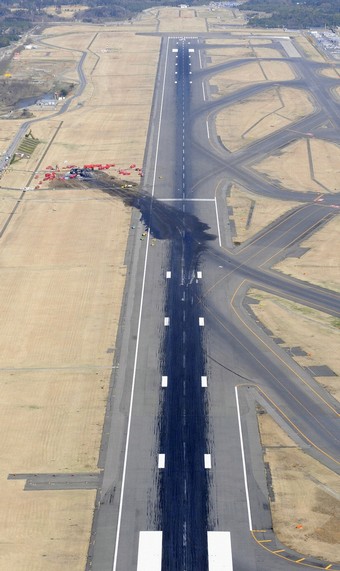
(316, 332)
(258, 116)
(306, 510)
(320, 265)
(307, 47)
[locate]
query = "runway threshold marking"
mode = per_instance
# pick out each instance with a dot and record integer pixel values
(168, 275)
(149, 551)
(243, 460)
(164, 381)
(201, 321)
(161, 461)
(199, 275)
(219, 551)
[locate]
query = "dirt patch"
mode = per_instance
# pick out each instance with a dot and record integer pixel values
(251, 213)
(305, 165)
(260, 115)
(171, 19)
(306, 508)
(316, 333)
(320, 264)
(333, 73)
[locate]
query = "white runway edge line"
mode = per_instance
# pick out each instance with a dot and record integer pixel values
(150, 551)
(243, 461)
(127, 441)
(218, 224)
(219, 551)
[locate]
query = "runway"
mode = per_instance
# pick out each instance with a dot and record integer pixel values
(184, 485)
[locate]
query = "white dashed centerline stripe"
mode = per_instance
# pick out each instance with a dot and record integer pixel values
(219, 551)
(201, 321)
(207, 461)
(149, 551)
(161, 461)
(164, 381)
(204, 382)
(127, 440)
(243, 460)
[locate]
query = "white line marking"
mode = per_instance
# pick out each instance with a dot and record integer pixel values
(199, 275)
(200, 59)
(191, 49)
(120, 510)
(161, 461)
(219, 551)
(207, 461)
(203, 89)
(174, 50)
(243, 460)
(186, 199)
(201, 321)
(164, 381)
(218, 224)
(166, 321)
(204, 382)
(149, 551)
(208, 130)
(168, 275)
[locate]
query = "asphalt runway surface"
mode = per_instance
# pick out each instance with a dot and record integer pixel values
(181, 453)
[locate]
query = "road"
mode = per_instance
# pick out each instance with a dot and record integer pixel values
(181, 453)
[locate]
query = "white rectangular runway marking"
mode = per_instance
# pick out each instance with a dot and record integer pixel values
(166, 321)
(164, 381)
(204, 382)
(207, 461)
(199, 275)
(161, 461)
(199, 56)
(201, 321)
(174, 50)
(168, 275)
(191, 50)
(203, 91)
(208, 130)
(219, 551)
(149, 551)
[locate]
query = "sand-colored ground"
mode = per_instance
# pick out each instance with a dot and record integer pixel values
(255, 117)
(320, 265)
(333, 73)
(305, 165)
(256, 72)
(242, 49)
(180, 21)
(61, 286)
(307, 47)
(316, 332)
(251, 213)
(306, 508)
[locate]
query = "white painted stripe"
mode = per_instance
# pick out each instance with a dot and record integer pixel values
(161, 461)
(208, 130)
(218, 225)
(199, 57)
(201, 321)
(191, 50)
(149, 551)
(243, 461)
(203, 90)
(164, 381)
(127, 441)
(199, 275)
(166, 321)
(174, 50)
(204, 382)
(207, 461)
(168, 275)
(219, 551)
(186, 199)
